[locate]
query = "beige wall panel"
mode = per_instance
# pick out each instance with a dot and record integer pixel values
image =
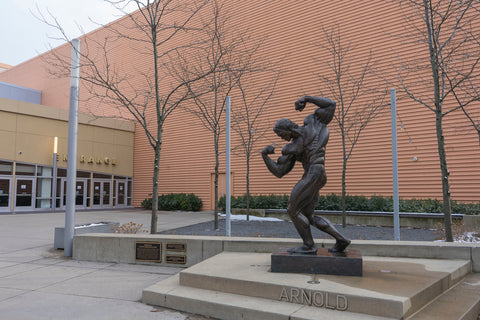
(35, 136)
(8, 121)
(7, 141)
(124, 161)
(103, 135)
(86, 132)
(34, 148)
(34, 125)
(123, 138)
(86, 148)
(101, 149)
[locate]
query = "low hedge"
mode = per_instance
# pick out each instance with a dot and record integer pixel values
(333, 202)
(175, 201)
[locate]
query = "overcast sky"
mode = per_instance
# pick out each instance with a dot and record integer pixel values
(23, 36)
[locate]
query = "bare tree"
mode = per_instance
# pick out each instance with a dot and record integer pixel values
(448, 72)
(229, 54)
(350, 88)
(157, 32)
(248, 122)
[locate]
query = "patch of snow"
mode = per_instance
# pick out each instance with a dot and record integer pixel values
(243, 217)
(469, 237)
(90, 225)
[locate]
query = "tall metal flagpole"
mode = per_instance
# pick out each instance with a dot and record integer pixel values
(396, 215)
(72, 148)
(227, 196)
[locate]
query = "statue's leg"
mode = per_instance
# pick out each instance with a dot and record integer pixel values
(296, 202)
(319, 179)
(326, 226)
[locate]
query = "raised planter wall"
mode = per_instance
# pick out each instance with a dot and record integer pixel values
(385, 219)
(120, 248)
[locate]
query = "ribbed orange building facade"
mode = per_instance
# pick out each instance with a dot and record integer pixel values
(293, 42)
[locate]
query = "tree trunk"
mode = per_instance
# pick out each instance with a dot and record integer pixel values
(433, 50)
(217, 164)
(344, 185)
(156, 169)
(158, 142)
(447, 214)
(248, 187)
(344, 194)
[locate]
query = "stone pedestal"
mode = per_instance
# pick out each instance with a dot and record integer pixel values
(348, 263)
(240, 286)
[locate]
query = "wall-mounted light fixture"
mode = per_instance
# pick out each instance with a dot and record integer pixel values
(54, 174)
(55, 145)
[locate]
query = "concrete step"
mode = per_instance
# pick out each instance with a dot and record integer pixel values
(389, 287)
(392, 288)
(227, 306)
(461, 302)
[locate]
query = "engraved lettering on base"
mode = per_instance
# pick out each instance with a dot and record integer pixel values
(314, 298)
(307, 297)
(326, 302)
(284, 295)
(294, 293)
(342, 306)
(318, 302)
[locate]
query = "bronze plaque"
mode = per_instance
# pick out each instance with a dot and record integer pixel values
(176, 259)
(179, 247)
(148, 251)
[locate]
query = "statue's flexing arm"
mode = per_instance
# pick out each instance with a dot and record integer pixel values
(283, 165)
(326, 107)
(288, 131)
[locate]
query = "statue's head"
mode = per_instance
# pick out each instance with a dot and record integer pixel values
(285, 129)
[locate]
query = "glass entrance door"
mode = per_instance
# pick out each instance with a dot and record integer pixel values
(121, 193)
(80, 193)
(24, 194)
(101, 194)
(5, 194)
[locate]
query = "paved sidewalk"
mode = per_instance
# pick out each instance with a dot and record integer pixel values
(38, 282)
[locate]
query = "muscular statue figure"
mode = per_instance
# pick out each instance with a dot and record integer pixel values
(307, 145)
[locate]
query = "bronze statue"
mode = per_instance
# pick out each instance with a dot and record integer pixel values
(307, 146)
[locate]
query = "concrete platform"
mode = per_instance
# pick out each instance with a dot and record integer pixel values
(235, 285)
